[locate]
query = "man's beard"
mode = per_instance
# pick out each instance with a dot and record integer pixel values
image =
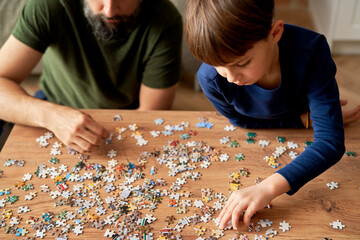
(108, 31)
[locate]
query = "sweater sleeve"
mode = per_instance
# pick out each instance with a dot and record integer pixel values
(219, 101)
(325, 107)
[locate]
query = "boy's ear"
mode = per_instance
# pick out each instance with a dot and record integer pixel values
(277, 30)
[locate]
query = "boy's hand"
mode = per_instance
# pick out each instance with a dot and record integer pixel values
(303, 118)
(252, 199)
(77, 130)
(351, 115)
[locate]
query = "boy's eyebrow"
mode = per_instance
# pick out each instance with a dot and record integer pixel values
(244, 61)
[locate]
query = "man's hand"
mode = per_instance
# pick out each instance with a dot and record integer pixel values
(77, 130)
(351, 115)
(74, 128)
(252, 199)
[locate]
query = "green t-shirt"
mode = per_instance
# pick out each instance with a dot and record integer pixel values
(83, 72)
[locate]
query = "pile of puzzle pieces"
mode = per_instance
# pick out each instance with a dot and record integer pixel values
(105, 197)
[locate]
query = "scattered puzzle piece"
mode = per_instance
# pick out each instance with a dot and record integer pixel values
(337, 224)
(333, 185)
(284, 226)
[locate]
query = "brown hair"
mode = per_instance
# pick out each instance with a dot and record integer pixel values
(218, 31)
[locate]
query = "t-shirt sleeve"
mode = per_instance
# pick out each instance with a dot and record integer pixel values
(32, 27)
(324, 103)
(163, 68)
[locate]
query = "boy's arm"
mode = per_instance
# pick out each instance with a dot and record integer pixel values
(327, 120)
(77, 130)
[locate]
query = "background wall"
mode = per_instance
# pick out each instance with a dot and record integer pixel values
(9, 12)
(190, 64)
(339, 21)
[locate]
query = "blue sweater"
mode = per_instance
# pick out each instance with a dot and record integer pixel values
(307, 83)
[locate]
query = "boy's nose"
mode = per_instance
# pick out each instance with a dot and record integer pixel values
(231, 77)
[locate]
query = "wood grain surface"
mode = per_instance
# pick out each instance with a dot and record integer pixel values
(309, 212)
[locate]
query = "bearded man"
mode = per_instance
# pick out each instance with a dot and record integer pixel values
(112, 54)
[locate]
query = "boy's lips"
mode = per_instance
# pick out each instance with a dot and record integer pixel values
(240, 84)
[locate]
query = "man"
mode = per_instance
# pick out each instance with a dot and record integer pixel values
(96, 54)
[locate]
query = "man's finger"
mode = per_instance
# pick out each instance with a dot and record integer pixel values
(96, 128)
(76, 147)
(83, 144)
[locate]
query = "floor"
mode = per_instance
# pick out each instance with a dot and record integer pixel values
(347, 76)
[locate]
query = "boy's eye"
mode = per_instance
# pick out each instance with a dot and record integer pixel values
(243, 65)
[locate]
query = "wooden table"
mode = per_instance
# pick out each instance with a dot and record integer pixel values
(309, 212)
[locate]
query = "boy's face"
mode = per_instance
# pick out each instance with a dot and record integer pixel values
(254, 67)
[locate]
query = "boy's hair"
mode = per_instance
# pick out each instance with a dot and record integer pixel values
(218, 31)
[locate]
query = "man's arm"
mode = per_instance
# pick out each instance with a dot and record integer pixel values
(16, 62)
(76, 129)
(156, 99)
(162, 69)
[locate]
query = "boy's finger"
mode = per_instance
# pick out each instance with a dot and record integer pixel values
(351, 115)
(353, 111)
(224, 209)
(343, 102)
(352, 118)
(227, 215)
(248, 214)
(225, 219)
(235, 216)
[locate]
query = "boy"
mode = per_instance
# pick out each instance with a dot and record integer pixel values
(260, 73)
